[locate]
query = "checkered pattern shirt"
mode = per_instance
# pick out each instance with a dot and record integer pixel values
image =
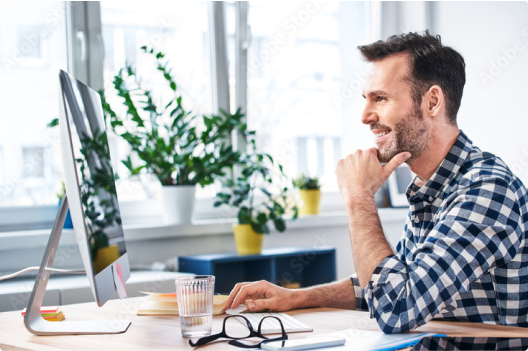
(463, 254)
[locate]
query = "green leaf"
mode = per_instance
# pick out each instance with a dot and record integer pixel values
(54, 122)
(259, 228)
(137, 170)
(262, 218)
(265, 191)
(280, 224)
(244, 215)
(295, 212)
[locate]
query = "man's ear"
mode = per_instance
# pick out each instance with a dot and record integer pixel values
(435, 100)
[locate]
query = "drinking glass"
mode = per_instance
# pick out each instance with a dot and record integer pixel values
(195, 304)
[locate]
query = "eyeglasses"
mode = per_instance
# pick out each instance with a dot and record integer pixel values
(233, 330)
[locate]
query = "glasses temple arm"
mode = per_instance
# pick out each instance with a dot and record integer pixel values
(205, 340)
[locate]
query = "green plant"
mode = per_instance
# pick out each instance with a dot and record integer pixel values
(258, 174)
(308, 183)
(168, 140)
(98, 190)
(62, 191)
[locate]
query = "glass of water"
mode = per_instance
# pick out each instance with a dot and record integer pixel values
(195, 304)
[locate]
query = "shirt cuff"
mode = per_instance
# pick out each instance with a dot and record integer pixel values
(380, 292)
(361, 303)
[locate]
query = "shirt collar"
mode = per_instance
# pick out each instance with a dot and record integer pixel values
(443, 175)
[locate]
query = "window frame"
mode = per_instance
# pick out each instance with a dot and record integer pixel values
(85, 49)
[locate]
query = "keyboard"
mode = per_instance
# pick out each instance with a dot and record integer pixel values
(291, 325)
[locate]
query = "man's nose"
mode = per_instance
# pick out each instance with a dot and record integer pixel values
(369, 116)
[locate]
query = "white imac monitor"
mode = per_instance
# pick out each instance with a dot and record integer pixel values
(90, 187)
(92, 200)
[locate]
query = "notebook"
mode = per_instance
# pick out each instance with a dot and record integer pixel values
(363, 340)
(166, 304)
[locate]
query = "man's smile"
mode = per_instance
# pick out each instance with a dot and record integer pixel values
(381, 134)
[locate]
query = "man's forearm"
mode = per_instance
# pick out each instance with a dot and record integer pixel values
(369, 245)
(338, 294)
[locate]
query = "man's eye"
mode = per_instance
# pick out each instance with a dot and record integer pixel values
(380, 98)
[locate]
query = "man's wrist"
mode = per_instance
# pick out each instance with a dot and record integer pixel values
(299, 298)
(358, 198)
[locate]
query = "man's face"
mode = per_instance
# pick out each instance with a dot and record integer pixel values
(395, 120)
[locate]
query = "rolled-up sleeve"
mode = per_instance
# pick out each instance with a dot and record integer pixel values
(361, 303)
(480, 229)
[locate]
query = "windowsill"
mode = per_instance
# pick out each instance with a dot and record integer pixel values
(152, 230)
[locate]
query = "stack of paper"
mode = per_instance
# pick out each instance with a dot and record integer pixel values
(51, 314)
(166, 304)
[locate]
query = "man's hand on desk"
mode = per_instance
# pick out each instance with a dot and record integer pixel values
(264, 295)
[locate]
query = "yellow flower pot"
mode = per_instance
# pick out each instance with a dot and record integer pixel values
(310, 199)
(248, 242)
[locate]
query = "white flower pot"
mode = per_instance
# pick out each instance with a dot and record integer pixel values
(177, 203)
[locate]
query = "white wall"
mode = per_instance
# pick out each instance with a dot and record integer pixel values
(493, 113)
(488, 35)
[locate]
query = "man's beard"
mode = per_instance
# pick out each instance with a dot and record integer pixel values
(410, 134)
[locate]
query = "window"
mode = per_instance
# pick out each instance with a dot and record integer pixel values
(178, 29)
(294, 70)
(33, 47)
(294, 66)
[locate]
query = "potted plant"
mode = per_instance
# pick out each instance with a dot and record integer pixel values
(310, 193)
(260, 195)
(180, 148)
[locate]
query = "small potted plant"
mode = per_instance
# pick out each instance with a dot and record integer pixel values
(180, 148)
(260, 195)
(310, 193)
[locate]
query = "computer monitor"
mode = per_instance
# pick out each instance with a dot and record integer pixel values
(90, 187)
(92, 199)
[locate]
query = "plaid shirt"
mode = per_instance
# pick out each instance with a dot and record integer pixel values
(463, 254)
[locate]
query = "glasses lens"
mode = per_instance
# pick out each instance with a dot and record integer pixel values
(236, 327)
(271, 323)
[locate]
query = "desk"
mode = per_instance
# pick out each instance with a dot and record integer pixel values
(163, 333)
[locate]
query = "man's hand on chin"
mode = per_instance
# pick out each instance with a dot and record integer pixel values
(361, 173)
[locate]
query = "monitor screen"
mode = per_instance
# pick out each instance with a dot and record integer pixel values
(95, 177)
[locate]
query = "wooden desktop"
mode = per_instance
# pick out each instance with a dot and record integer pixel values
(163, 333)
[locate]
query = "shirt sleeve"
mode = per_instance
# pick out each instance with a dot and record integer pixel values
(361, 303)
(479, 229)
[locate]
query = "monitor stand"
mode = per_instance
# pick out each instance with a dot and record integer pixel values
(34, 321)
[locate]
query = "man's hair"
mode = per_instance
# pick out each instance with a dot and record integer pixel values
(430, 63)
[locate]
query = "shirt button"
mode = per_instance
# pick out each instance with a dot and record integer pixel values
(416, 220)
(430, 198)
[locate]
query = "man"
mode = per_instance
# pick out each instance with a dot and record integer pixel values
(463, 254)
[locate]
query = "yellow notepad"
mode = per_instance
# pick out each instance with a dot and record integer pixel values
(166, 304)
